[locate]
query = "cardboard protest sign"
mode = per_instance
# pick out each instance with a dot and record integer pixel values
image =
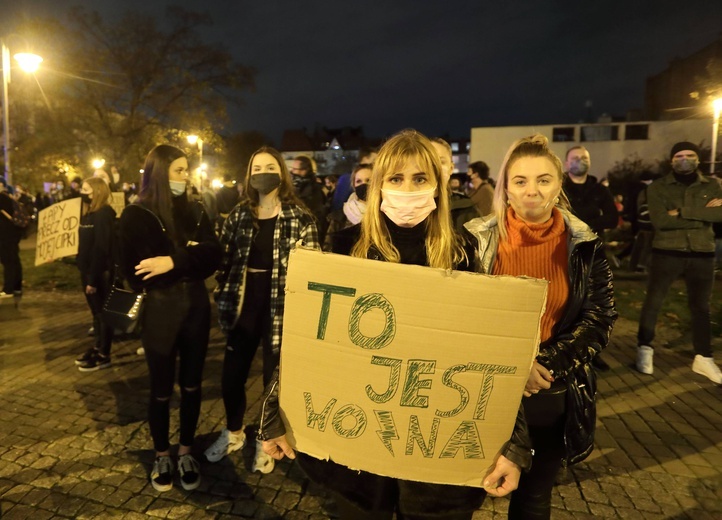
(405, 371)
(117, 202)
(58, 231)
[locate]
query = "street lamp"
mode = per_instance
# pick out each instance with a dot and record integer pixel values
(717, 106)
(98, 163)
(29, 63)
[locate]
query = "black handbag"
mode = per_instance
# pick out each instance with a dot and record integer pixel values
(123, 308)
(546, 407)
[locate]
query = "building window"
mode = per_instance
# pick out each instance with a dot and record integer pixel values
(563, 134)
(636, 132)
(454, 147)
(468, 146)
(600, 133)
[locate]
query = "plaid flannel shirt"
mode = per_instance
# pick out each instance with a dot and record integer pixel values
(293, 224)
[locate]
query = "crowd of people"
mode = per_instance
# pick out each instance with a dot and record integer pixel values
(542, 217)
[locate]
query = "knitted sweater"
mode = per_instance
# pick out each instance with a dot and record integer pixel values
(539, 251)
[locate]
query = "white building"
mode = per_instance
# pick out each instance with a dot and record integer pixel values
(608, 143)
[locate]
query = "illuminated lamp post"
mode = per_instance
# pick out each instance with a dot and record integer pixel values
(717, 106)
(29, 63)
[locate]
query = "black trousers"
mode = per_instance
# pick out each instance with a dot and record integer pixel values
(253, 327)
(10, 260)
(532, 499)
(175, 323)
(103, 333)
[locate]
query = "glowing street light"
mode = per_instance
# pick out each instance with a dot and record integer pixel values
(29, 63)
(717, 106)
(98, 163)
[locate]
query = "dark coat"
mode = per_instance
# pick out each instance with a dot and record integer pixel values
(142, 235)
(96, 237)
(592, 203)
(582, 332)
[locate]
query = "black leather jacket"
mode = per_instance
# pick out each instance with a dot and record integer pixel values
(583, 331)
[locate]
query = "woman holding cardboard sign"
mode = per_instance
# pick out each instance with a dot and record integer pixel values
(407, 221)
(533, 233)
(257, 238)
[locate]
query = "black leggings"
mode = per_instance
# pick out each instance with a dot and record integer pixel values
(103, 332)
(253, 327)
(532, 499)
(176, 321)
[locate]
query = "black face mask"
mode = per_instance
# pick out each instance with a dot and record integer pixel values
(361, 191)
(265, 183)
(85, 197)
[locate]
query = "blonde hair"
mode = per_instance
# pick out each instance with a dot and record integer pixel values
(101, 193)
(443, 246)
(533, 146)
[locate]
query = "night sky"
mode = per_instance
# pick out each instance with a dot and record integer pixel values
(440, 67)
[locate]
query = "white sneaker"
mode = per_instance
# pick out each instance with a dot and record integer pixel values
(645, 357)
(262, 461)
(226, 443)
(708, 368)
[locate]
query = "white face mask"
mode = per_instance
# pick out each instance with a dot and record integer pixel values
(408, 208)
(177, 188)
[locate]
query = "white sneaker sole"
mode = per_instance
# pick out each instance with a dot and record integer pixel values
(215, 456)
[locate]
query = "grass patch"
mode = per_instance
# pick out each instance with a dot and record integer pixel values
(629, 295)
(61, 275)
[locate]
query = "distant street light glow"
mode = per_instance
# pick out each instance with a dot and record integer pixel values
(98, 163)
(192, 139)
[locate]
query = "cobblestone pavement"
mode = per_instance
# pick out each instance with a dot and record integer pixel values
(76, 445)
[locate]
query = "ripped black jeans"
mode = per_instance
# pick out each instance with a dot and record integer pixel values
(176, 322)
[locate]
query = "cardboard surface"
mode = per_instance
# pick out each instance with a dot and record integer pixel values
(405, 371)
(58, 231)
(117, 202)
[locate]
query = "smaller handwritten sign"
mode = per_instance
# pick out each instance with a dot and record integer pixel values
(58, 231)
(117, 202)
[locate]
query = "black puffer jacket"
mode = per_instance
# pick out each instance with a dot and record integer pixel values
(583, 331)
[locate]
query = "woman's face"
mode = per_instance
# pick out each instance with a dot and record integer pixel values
(86, 190)
(532, 186)
(362, 176)
(178, 170)
(410, 178)
(265, 163)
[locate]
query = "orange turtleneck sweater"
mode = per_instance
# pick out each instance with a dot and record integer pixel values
(539, 251)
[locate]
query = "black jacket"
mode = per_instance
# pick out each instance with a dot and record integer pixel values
(195, 256)
(96, 237)
(365, 488)
(582, 332)
(311, 194)
(592, 203)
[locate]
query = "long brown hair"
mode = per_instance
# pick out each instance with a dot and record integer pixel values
(101, 194)
(286, 193)
(155, 191)
(443, 248)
